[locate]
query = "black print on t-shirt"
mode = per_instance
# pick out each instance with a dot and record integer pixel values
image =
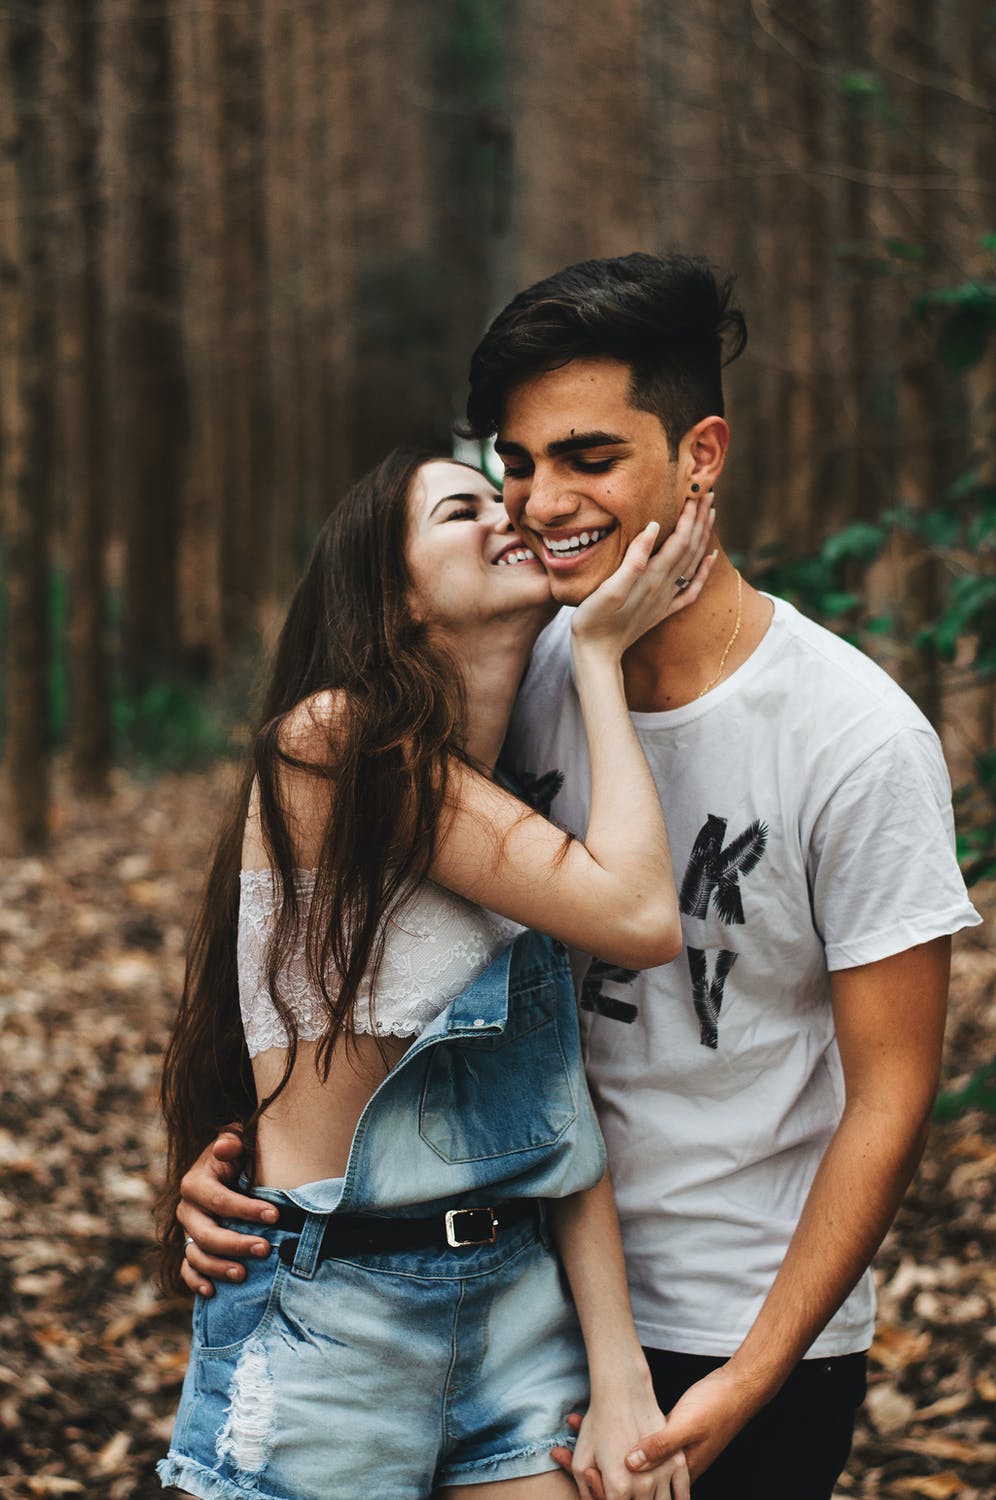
(539, 791)
(593, 997)
(708, 994)
(713, 870)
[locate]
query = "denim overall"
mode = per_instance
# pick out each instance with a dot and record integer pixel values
(387, 1375)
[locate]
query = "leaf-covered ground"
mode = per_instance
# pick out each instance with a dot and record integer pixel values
(91, 1359)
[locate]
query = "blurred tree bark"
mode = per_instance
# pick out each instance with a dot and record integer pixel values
(148, 427)
(579, 98)
(242, 435)
(82, 426)
(906, 585)
(199, 202)
(285, 225)
(26, 379)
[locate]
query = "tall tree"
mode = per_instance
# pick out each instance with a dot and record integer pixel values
(582, 180)
(26, 369)
(907, 583)
(81, 385)
(148, 428)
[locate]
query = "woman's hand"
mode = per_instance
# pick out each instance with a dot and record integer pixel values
(206, 1196)
(647, 587)
(599, 1467)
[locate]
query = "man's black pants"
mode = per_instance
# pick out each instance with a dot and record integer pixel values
(795, 1447)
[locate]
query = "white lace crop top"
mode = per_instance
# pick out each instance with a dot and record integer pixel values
(435, 946)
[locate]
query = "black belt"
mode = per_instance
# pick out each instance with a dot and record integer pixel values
(365, 1234)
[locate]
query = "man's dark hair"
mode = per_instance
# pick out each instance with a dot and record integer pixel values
(667, 317)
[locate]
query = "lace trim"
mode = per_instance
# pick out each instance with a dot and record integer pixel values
(433, 949)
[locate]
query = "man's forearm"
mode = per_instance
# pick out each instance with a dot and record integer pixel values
(853, 1200)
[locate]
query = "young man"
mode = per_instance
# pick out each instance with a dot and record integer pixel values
(764, 1098)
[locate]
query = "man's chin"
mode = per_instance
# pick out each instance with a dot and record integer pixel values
(571, 590)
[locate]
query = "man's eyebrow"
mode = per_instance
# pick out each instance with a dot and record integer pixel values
(573, 444)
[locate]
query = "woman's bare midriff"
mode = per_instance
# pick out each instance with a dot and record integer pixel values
(305, 1135)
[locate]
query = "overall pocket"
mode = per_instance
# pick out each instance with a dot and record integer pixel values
(492, 1096)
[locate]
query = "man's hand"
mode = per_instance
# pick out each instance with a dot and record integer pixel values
(206, 1195)
(706, 1418)
(598, 1473)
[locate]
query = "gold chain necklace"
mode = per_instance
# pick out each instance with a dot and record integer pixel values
(729, 645)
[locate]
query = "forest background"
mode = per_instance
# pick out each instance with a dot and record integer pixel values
(245, 246)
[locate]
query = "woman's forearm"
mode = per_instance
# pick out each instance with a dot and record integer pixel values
(626, 828)
(586, 1229)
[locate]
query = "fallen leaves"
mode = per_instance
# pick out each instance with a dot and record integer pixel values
(934, 1486)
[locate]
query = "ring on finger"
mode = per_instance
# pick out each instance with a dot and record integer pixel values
(188, 1239)
(681, 583)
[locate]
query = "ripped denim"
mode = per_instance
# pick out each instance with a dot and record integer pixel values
(391, 1375)
(386, 1375)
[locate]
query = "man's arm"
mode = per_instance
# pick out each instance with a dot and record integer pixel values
(206, 1195)
(889, 1018)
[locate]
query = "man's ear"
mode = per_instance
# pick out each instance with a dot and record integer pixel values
(702, 453)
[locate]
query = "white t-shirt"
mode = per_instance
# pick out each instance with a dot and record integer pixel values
(809, 814)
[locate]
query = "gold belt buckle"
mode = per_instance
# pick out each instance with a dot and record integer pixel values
(453, 1231)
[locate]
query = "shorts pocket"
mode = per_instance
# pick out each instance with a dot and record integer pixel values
(239, 1309)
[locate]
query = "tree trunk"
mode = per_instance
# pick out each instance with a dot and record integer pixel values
(578, 97)
(148, 414)
(26, 371)
(906, 584)
(81, 387)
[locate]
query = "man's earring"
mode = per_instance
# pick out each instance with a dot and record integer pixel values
(695, 489)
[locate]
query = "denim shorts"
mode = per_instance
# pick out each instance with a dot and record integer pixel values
(386, 1375)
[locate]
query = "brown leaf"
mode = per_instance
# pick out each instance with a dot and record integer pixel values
(940, 1446)
(890, 1409)
(947, 1406)
(895, 1348)
(933, 1486)
(112, 1455)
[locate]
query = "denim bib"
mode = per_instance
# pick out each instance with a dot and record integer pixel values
(490, 1102)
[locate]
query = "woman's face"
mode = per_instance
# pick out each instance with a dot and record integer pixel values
(467, 563)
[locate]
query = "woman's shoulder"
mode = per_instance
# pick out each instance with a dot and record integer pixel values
(310, 729)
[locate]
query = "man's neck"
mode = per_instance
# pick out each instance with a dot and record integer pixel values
(676, 661)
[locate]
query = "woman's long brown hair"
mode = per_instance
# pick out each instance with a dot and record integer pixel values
(349, 629)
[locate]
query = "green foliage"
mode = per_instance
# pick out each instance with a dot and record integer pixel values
(867, 95)
(978, 1093)
(961, 532)
(969, 317)
(906, 250)
(170, 726)
(474, 44)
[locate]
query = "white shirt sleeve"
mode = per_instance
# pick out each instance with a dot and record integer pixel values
(882, 866)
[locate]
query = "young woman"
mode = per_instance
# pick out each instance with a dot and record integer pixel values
(361, 969)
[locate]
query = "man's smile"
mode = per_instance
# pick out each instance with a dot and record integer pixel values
(563, 548)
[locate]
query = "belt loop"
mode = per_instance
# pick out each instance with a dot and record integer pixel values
(308, 1246)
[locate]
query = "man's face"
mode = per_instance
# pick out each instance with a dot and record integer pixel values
(584, 472)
